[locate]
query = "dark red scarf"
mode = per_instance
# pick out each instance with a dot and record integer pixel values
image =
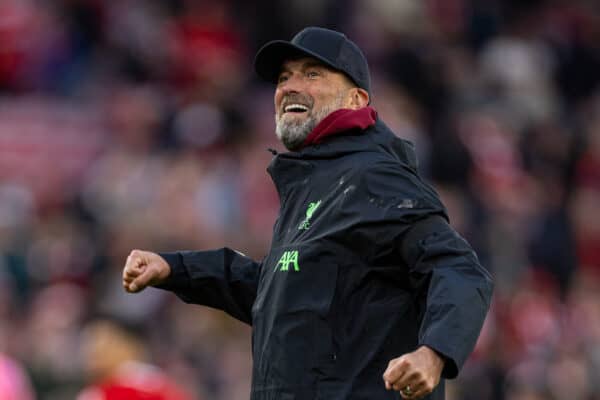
(341, 120)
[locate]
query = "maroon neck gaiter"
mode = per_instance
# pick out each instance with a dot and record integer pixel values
(339, 121)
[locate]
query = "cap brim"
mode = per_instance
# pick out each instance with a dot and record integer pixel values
(271, 56)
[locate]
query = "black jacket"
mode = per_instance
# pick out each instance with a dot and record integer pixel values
(363, 268)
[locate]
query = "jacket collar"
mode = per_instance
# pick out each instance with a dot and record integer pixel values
(376, 138)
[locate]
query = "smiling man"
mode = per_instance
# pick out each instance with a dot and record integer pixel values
(366, 291)
(308, 91)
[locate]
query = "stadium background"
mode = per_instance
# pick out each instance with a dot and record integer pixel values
(140, 124)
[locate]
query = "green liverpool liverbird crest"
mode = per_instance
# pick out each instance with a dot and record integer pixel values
(312, 207)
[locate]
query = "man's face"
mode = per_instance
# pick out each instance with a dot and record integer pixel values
(307, 91)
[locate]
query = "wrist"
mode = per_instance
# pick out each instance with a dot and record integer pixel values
(437, 358)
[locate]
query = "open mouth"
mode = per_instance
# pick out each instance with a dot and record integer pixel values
(295, 108)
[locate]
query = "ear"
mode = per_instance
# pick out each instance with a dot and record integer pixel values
(359, 98)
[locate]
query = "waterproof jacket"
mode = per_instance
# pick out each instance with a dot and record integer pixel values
(363, 268)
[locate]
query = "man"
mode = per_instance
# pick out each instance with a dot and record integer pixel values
(115, 360)
(366, 289)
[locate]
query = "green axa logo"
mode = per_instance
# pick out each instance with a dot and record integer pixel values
(312, 207)
(287, 258)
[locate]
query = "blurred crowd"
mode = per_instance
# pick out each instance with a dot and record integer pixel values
(140, 124)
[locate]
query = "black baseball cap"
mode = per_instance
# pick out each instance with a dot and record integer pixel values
(330, 47)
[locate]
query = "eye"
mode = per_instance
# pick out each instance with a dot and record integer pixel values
(282, 78)
(313, 74)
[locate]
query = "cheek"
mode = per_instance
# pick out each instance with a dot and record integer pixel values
(277, 99)
(323, 100)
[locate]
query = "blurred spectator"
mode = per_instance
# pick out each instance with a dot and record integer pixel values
(113, 358)
(52, 336)
(14, 383)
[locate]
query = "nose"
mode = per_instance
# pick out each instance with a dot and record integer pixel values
(293, 84)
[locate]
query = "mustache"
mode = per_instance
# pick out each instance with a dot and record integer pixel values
(297, 98)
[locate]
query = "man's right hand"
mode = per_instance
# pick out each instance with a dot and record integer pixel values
(144, 268)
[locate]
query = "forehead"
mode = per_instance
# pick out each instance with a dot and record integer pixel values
(303, 62)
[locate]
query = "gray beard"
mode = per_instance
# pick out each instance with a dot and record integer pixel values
(293, 133)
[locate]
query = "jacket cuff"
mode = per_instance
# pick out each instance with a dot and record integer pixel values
(450, 370)
(179, 277)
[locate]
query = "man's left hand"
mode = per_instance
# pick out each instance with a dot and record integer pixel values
(414, 374)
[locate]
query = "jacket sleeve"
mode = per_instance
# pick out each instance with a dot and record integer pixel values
(452, 289)
(457, 289)
(223, 279)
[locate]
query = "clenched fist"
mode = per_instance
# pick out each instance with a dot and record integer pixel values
(414, 374)
(144, 268)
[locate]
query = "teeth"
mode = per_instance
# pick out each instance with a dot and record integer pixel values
(295, 108)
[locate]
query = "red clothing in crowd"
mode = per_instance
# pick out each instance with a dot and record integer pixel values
(135, 381)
